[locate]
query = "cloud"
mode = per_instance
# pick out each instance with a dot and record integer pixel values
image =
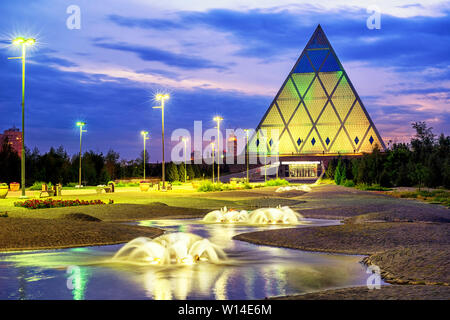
(168, 58)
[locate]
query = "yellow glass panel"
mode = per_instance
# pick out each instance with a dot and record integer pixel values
(343, 98)
(315, 99)
(273, 117)
(329, 80)
(342, 144)
(302, 81)
(287, 107)
(285, 145)
(313, 144)
(366, 145)
(300, 126)
(328, 125)
(357, 124)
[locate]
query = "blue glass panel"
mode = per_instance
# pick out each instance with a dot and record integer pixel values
(313, 141)
(257, 142)
(303, 66)
(299, 141)
(356, 140)
(319, 41)
(317, 57)
(327, 141)
(371, 140)
(270, 142)
(331, 64)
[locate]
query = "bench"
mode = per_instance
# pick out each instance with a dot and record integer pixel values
(100, 189)
(54, 191)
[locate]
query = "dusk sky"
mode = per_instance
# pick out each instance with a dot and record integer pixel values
(226, 57)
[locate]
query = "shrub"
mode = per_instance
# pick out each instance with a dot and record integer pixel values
(50, 203)
(246, 185)
(276, 182)
(177, 183)
(373, 187)
(349, 183)
(71, 184)
(37, 185)
(208, 186)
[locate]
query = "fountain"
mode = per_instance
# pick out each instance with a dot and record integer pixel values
(279, 215)
(303, 188)
(169, 249)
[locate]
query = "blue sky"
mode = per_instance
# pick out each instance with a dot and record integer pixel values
(214, 57)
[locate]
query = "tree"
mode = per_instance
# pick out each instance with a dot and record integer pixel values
(190, 172)
(339, 174)
(181, 171)
(172, 172)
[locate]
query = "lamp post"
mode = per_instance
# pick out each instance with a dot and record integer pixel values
(185, 150)
(213, 157)
(145, 137)
(162, 98)
(80, 124)
(21, 41)
(246, 153)
(218, 119)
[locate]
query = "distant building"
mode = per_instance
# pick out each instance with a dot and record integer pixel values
(232, 146)
(14, 136)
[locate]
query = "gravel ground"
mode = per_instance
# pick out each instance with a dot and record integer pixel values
(30, 233)
(392, 292)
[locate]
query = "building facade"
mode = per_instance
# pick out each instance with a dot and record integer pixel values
(316, 114)
(14, 136)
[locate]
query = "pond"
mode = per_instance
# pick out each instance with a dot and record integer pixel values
(250, 272)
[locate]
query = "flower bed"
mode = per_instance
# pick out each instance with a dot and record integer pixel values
(50, 203)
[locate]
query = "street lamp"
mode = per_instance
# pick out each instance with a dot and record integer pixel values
(218, 119)
(162, 98)
(246, 152)
(213, 157)
(21, 41)
(145, 137)
(185, 140)
(80, 124)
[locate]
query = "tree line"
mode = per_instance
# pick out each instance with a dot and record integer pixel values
(424, 161)
(56, 166)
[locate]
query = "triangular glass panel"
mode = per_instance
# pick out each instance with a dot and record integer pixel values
(317, 57)
(342, 144)
(328, 124)
(315, 99)
(302, 81)
(273, 118)
(331, 64)
(288, 100)
(343, 98)
(304, 66)
(319, 40)
(371, 140)
(329, 80)
(357, 122)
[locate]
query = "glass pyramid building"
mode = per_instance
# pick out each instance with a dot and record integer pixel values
(317, 110)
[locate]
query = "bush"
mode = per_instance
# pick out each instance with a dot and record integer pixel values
(37, 185)
(71, 184)
(373, 187)
(276, 182)
(177, 183)
(50, 203)
(208, 186)
(349, 183)
(246, 185)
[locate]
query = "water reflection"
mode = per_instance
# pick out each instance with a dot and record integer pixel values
(251, 271)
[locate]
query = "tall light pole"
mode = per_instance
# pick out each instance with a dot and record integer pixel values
(218, 119)
(162, 98)
(145, 137)
(213, 157)
(21, 41)
(185, 160)
(80, 124)
(246, 152)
